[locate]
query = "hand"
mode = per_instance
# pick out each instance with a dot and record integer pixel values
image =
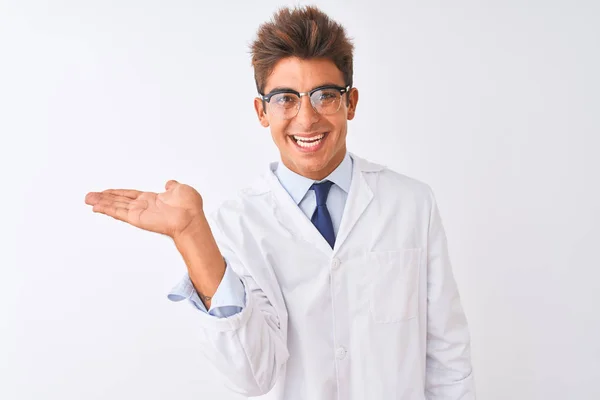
(168, 213)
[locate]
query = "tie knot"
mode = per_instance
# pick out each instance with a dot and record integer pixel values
(321, 191)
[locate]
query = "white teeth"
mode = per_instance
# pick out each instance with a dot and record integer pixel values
(310, 139)
(308, 145)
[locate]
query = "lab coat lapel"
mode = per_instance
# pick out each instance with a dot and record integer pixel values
(292, 219)
(359, 197)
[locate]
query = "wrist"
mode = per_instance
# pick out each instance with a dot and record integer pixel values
(197, 226)
(202, 257)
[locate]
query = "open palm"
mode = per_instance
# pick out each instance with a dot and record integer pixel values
(168, 213)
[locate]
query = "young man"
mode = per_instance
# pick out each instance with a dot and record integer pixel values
(329, 277)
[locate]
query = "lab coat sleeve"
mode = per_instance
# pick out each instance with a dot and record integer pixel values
(249, 348)
(448, 356)
(227, 300)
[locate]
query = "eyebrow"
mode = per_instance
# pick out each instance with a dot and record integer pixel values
(287, 89)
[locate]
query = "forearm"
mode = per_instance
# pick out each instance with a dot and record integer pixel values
(204, 261)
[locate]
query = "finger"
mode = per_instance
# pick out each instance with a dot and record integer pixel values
(112, 208)
(130, 193)
(114, 197)
(170, 183)
(123, 202)
(94, 198)
(112, 211)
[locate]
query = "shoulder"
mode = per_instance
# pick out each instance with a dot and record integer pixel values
(393, 183)
(250, 199)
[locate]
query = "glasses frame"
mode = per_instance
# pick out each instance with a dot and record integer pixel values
(267, 98)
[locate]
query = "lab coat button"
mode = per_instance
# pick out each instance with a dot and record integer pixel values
(335, 264)
(340, 353)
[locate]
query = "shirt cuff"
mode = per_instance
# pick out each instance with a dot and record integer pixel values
(228, 300)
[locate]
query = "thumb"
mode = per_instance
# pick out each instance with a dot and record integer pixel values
(170, 184)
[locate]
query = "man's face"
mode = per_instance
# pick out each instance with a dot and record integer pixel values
(316, 159)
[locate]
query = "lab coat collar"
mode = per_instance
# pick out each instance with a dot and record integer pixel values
(291, 218)
(297, 185)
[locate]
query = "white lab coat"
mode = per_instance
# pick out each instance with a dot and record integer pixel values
(377, 317)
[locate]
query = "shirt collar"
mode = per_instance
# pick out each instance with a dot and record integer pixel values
(297, 185)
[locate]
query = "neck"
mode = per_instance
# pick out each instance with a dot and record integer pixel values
(322, 173)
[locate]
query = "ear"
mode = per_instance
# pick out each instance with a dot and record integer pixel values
(353, 97)
(260, 112)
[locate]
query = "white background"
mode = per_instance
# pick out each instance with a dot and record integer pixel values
(494, 105)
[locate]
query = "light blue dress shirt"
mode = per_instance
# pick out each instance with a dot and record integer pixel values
(229, 299)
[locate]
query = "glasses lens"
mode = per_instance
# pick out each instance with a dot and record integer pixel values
(285, 105)
(326, 101)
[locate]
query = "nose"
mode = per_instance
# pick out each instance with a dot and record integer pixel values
(307, 115)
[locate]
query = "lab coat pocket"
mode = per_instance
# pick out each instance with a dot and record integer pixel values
(394, 284)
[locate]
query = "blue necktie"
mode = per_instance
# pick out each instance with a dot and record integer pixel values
(321, 218)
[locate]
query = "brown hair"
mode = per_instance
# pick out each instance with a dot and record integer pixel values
(304, 32)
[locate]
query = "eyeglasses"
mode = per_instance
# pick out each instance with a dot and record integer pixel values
(285, 103)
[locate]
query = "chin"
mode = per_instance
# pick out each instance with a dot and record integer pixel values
(313, 166)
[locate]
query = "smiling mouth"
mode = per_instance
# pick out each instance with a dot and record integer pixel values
(309, 142)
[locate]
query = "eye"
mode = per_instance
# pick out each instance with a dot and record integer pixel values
(285, 100)
(327, 96)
